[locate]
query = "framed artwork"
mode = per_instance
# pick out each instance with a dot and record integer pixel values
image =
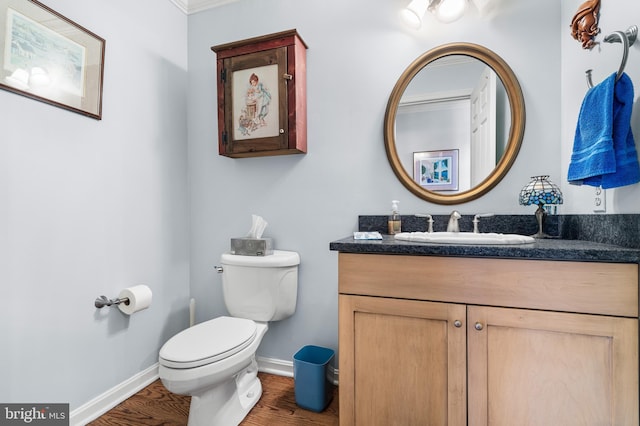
(262, 96)
(255, 93)
(436, 170)
(47, 57)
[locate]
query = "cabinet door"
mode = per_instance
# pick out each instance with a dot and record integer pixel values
(549, 368)
(402, 362)
(255, 107)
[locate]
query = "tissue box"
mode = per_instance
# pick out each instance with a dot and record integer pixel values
(252, 246)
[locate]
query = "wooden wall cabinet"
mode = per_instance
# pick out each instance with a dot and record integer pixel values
(457, 341)
(262, 101)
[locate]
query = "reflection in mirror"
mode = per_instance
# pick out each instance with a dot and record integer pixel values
(454, 123)
(456, 103)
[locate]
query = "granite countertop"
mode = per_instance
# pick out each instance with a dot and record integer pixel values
(543, 249)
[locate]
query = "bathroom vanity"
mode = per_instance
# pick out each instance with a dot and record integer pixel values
(543, 333)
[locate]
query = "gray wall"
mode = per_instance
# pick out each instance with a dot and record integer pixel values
(90, 207)
(357, 51)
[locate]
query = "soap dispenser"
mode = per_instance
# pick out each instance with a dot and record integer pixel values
(395, 225)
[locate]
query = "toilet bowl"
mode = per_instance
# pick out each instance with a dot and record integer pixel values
(223, 384)
(214, 362)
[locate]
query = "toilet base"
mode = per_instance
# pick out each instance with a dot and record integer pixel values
(229, 403)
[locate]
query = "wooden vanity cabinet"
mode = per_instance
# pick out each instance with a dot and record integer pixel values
(452, 341)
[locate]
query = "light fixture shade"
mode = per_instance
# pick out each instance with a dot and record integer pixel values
(450, 10)
(39, 77)
(540, 191)
(412, 15)
(19, 78)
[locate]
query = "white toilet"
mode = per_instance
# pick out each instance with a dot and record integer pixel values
(214, 361)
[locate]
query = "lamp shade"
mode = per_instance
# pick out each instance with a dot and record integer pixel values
(540, 191)
(412, 15)
(444, 10)
(450, 10)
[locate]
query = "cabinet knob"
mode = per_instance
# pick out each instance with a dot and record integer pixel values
(478, 326)
(457, 323)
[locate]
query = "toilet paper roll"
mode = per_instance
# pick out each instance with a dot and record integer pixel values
(139, 299)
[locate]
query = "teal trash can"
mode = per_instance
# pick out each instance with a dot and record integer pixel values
(313, 377)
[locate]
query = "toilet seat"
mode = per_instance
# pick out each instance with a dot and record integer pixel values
(208, 342)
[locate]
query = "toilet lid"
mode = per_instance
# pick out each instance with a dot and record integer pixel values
(208, 342)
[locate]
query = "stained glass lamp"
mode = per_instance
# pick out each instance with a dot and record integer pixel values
(540, 191)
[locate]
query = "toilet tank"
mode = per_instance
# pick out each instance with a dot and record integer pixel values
(261, 288)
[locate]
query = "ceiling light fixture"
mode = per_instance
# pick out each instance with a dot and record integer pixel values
(444, 10)
(412, 14)
(450, 10)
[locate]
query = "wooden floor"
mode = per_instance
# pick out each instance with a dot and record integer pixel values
(154, 405)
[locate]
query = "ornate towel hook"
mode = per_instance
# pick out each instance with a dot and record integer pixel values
(584, 25)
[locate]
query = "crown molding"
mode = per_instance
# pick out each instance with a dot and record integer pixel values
(193, 6)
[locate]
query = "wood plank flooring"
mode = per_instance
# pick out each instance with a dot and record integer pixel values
(156, 406)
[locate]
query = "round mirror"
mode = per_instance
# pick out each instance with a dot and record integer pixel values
(454, 123)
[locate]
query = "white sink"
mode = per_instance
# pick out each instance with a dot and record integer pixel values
(464, 238)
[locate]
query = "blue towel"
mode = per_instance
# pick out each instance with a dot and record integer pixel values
(604, 151)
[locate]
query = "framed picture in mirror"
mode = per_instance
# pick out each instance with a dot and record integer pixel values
(436, 170)
(47, 57)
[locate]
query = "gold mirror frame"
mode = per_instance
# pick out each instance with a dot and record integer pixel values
(516, 133)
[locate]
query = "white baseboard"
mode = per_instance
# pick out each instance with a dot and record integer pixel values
(278, 367)
(114, 396)
(281, 367)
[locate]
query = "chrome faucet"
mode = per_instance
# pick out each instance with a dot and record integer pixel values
(429, 220)
(453, 226)
(476, 220)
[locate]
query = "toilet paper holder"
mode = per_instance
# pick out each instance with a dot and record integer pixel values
(103, 301)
